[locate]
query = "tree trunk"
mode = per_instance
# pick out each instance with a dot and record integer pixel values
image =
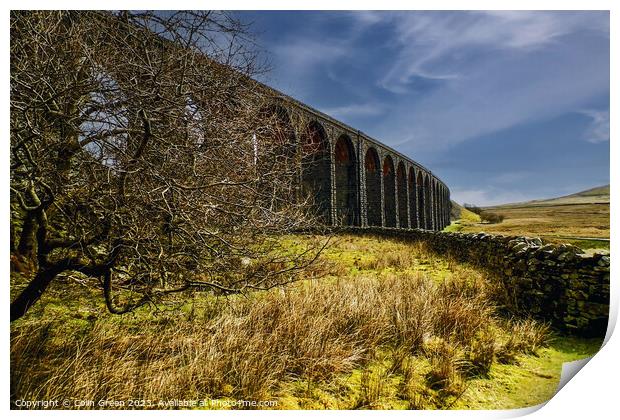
(31, 294)
(26, 245)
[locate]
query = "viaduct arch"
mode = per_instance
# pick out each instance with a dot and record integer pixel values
(389, 192)
(351, 179)
(346, 185)
(373, 188)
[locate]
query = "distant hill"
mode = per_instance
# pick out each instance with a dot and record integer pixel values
(597, 195)
(459, 212)
(581, 219)
(596, 191)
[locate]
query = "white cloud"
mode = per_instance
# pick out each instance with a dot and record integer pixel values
(297, 61)
(513, 80)
(367, 17)
(355, 110)
(487, 197)
(306, 53)
(598, 131)
(431, 42)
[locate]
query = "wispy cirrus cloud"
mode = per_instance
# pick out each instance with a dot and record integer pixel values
(598, 130)
(304, 54)
(356, 110)
(498, 70)
(434, 44)
(298, 59)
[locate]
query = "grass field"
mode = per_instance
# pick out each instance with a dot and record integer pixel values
(377, 324)
(579, 219)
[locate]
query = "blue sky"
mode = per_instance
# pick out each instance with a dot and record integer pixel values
(503, 106)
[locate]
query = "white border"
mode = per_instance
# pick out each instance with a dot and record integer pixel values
(592, 394)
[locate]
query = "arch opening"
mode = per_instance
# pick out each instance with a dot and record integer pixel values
(421, 202)
(435, 205)
(413, 209)
(448, 207)
(401, 182)
(274, 149)
(373, 187)
(428, 204)
(277, 128)
(389, 192)
(442, 211)
(316, 173)
(347, 208)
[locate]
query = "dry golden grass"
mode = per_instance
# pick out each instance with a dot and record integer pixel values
(581, 220)
(251, 347)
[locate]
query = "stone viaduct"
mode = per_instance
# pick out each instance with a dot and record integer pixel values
(355, 180)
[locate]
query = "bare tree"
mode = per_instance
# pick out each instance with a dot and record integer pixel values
(144, 154)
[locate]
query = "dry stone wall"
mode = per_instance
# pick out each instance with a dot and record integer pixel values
(557, 283)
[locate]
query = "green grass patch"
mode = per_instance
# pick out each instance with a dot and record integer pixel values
(586, 244)
(378, 324)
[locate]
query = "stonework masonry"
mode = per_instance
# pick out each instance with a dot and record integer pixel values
(355, 180)
(556, 283)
